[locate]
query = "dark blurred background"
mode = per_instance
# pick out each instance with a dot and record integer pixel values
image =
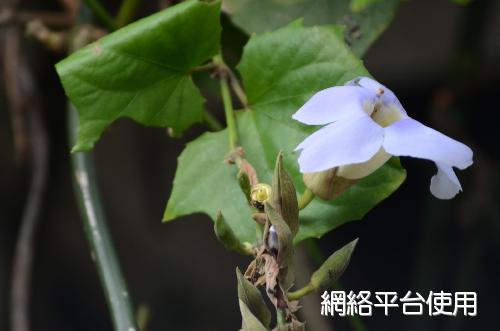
(439, 57)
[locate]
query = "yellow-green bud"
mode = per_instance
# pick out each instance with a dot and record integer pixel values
(259, 195)
(327, 184)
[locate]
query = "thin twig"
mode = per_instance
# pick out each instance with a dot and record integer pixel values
(127, 11)
(22, 93)
(102, 14)
(9, 16)
(211, 121)
(15, 99)
(237, 89)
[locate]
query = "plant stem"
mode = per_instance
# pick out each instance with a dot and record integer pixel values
(228, 105)
(23, 100)
(309, 288)
(228, 110)
(211, 121)
(306, 198)
(127, 12)
(238, 90)
(317, 255)
(102, 14)
(98, 236)
(204, 67)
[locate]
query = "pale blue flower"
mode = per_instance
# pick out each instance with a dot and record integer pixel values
(364, 125)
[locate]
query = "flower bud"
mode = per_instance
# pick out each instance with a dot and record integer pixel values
(260, 218)
(244, 183)
(259, 195)
(327, 184)
(284, 198)
(331, 270)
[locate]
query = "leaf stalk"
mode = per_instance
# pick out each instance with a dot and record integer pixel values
(228, 105)
(211, 121)
(102, 14)
(127, 11)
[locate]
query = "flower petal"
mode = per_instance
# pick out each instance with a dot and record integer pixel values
(332, 104)
(360, 170)
(353, 140)
(367, 82)
(411, 138)
(388, 98)
(445, 184)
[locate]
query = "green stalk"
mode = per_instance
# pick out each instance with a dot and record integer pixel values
(228, 105)
(211, 121)
(101, 13)
(228, 110)
(127, 12)
(98, 236)
(296, 295)
(237, 89)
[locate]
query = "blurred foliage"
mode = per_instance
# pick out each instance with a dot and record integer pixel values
(364, 20)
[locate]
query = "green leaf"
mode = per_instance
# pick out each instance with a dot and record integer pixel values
(360, 5)
(252, 298)
(331, 270)
(205, 183)
(283, 69)
(280, 70)
(142, 71)
(250, 322)
(363, 27)
(227, 237)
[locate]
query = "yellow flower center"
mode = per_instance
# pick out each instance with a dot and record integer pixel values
(383, 115)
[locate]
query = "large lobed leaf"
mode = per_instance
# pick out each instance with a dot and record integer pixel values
(142, 71)
(280, 71)
(365, 19)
